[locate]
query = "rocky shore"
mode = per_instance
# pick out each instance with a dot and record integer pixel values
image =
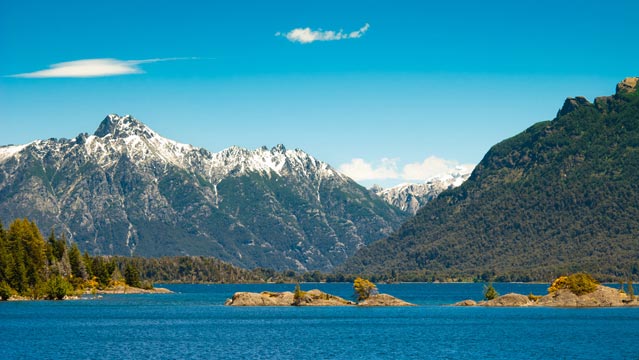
(309, 298)
(603, 296)
(130, 290)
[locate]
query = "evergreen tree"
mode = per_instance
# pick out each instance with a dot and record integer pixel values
(4, 256)
(631, 291)
(86, 259)
(132, 276)
(490, 292)
(78, 269)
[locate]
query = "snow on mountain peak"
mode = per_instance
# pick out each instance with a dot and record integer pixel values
(411, 197)
(123, 126)
(125, 135)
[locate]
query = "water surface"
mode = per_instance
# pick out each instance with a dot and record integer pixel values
(194, 324)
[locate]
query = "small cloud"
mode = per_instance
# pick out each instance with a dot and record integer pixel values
(387, 169)
(307, 36)
(359, 169)
(432, 166)
(89, 68)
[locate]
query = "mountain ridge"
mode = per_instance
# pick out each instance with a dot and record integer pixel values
(127, 190)
(411, 197)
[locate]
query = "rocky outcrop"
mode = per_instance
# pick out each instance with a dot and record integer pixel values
(309, 298)
(603, 296)
(131, 290)
(384, 300)
(265, 298)
(508, 300)
(627, 85)
(466, 303)
(571, 104)
(319, 298)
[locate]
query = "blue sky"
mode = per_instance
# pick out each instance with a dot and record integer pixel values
(407, 89)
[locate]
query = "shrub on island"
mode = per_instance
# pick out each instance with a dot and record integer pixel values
(578, 284)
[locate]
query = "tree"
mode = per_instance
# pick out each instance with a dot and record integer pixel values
(364, 288)
(5, 291)
(490, 292)
(58, 287)
(132, 276)
(298, 295)
(631, 291)
(77, 265)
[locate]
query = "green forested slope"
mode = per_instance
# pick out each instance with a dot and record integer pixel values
(562, 196)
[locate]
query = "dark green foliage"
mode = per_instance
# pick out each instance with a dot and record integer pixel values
(58, 287)
(102, 270)
(5, 291)
(489, 292)
(78, 270)
(132, 276)
(561, 197)
(193, 269)
(582, 283)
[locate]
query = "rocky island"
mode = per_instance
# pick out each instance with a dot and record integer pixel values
(366, 290)
(574, 291)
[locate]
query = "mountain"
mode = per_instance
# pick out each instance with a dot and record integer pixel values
(125, 190)
(411, 197)
(560, 197)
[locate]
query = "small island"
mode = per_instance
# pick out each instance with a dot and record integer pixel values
(367, 295)
(574, 291)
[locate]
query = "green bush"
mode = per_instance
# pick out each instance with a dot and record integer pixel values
(58, 287)
(578, 284)
(5, 291)
(582, 283)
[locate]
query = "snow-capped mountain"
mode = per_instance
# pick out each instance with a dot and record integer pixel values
(411, 197)
(127, 190)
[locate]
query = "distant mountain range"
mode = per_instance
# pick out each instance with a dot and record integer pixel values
(411, 197)
(126, 190)
(561, 197)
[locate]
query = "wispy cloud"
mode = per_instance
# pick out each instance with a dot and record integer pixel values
(89, 68)
(387, 169)
(306, 35)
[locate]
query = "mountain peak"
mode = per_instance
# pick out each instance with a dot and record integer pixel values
(122, 126)
(628, 85)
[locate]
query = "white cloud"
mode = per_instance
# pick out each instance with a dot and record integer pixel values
(387, 169)
(93, 68)
(359, 169)
(306, 35)
(430, 167)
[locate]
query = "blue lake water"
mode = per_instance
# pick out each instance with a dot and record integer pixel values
(194, 324)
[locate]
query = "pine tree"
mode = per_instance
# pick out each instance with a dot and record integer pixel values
(78, 269)
(132, 276)
(490, 292)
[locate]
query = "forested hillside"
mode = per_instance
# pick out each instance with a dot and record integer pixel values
(561, 197)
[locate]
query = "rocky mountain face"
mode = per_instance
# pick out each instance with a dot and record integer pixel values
(560, 197)
(411, 197)
(126, 190)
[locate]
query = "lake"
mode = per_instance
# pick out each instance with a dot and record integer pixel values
(194, 324)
